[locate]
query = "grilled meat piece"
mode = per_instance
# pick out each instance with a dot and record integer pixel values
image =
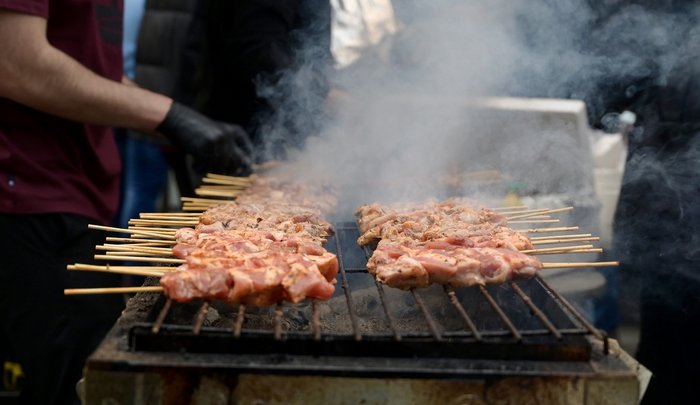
(278, 219)
(405, 267)
(452, 219)
(253, 278)
(251, 267)
(262, 249)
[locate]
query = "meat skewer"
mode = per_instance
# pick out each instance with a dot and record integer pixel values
(253, 279)
(251, 268)
(453, 243)
(405, 267)
(262, 249)
(451, 220)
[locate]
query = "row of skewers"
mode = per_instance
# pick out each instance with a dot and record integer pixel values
(263, 249)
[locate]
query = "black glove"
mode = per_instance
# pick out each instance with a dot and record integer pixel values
(215, 146)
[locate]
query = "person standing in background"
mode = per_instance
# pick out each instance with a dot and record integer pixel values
(657, 221)
(60, 92)
(246, 61)
(144, 167)
(149, 25)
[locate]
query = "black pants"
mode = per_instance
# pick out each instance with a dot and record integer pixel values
(51, 334)
(669, 342)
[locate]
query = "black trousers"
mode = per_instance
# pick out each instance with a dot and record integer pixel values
(669, 343)
(51, 334)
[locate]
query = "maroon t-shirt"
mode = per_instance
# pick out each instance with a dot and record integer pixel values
(53, 165)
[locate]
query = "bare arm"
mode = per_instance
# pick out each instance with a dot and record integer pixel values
(36, 74)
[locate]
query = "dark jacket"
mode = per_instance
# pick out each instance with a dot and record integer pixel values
(238, 50)
(161, 43)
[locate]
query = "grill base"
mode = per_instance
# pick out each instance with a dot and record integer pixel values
(125, 369)
(430, 346)
(213, 340)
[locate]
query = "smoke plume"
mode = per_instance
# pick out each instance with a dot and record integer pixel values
(406, 123)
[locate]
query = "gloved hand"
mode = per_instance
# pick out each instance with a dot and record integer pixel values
(215, 146)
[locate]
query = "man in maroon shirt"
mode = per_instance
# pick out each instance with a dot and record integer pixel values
(60, 91)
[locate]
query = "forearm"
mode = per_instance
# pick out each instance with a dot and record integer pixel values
(36, 74)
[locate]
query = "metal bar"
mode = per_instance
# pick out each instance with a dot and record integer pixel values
(356, 270)
(426, 314)
(462, 311)
(315, 321)
(528, 332)
(573, 311)
(538, 313)
(240, 317)
(161, 316)
(389, 318)
(606, 343)
(382, 299)
(501, 314)
(278, 321)
(199, 320)
(346, 289)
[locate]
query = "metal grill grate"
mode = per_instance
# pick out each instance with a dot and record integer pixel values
(520, 320)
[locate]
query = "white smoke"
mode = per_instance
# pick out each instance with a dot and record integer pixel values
(406, 124)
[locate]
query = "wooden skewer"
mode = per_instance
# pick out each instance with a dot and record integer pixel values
(557, 265)
(557, 249)
(210, 180)
(80, 266)
(241, 179)
(154, 229)
(533, 221)
(191, 218)
(233, 187)
(172, 217)
(540, 217)
(216, 193)
(546, 211)
(171, 237)
(163, 222)
(141, 259)
(132, 231)
(207, 204)
(541, 230)
(562, 209)
(127, 252)
(142, 249)
(566, 252)
(110, 290)
(147, 244)
(197, 209)
(522, 211)
(118, 254)
(525, 213)
(138, 240)
(580, 235)
(512, 207)
(165, 214)
(202, 200)
(225, 186)
(111, 269)
(204, 206)
(550, 241)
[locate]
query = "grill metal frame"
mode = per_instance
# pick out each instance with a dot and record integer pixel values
(510, 343)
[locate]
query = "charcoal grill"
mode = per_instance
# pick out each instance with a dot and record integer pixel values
(367, 330)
